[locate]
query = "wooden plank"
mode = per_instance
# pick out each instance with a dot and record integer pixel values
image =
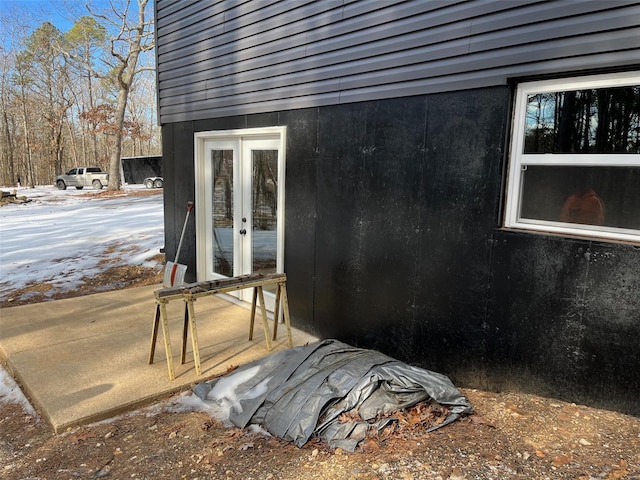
(220, 286)
(265, 320)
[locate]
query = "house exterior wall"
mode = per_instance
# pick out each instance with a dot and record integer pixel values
(393, 233)
(220, 59)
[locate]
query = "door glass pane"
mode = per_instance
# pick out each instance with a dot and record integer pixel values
(222, 162)
(264, 207)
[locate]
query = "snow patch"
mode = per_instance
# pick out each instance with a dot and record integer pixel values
(225, 396)
(60, 237)
(225, 391)
(10, 393)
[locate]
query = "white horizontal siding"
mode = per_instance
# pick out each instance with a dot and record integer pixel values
(227, 58)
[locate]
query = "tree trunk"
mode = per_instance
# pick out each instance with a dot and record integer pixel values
(27, 139)
(114, 164)
(9, 157)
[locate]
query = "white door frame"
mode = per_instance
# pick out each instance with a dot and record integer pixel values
(231, 140)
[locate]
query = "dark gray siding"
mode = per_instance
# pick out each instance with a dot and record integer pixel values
(223, 58)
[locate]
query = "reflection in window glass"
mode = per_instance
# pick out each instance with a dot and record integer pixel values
(605, 120)
(607, 196)
(264, 211)
(222, 161)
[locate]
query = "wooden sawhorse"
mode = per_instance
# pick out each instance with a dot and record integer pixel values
(190, 292)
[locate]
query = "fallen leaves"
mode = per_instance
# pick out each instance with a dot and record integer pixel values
(82, 437)
(350, 416)
(208, 424)
(492, 443)
(104, 470)
(619, 470)
(478, 420)
(369, 445)
(516, 410)
(561, 460)
(424, 415)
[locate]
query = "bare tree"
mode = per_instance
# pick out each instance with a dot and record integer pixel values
(134, 37)
(6, 146)
(84, 95)
(85, 39)
(44, 78)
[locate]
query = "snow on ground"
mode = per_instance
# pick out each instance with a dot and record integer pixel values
(224, 397)
(10, 393)
(62, 236)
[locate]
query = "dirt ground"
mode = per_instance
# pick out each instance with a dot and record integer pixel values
(510, 435)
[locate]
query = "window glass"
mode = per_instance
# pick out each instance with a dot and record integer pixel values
(605, 120)
(607, 196)
(222, 166)
(264, 210)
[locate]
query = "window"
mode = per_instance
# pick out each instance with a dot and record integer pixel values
(575, 157)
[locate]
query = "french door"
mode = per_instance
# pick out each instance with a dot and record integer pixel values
(240, 204)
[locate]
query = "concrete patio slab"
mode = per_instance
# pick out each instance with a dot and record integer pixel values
(85, 359)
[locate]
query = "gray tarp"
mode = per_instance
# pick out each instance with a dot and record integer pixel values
(301, 392)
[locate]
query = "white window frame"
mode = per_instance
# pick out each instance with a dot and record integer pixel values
(519, 161)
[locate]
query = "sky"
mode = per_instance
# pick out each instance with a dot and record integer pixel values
(51, 10)
(61, 13)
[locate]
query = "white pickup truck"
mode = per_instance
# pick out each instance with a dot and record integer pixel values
(81, 177)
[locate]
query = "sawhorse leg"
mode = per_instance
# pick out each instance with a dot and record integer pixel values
(190, 317)
(258, 294)
(167, 340)
(161, 316)
(285, 311)
(253, 312)
(185, 329)
(281, 299)
(154, 334)
(276, 312)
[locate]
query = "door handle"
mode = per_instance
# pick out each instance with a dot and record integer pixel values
(243, 232)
